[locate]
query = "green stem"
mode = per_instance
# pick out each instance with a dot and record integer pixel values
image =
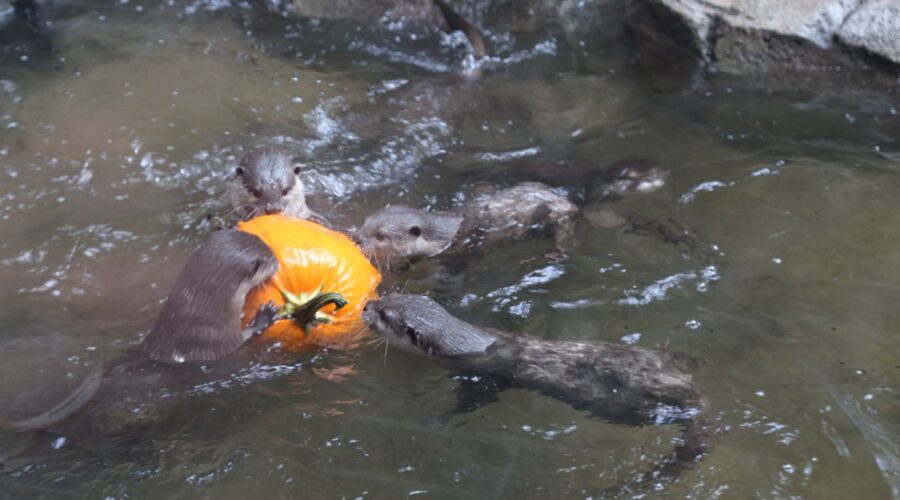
(304, 309)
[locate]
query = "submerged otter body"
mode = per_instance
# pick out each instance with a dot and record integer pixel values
(199, 324)
(621, 384)
(627, 176)
(515, 213)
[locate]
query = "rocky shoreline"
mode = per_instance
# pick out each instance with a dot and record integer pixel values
(746, 37)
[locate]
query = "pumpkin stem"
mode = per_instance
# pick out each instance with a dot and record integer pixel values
(305, 308)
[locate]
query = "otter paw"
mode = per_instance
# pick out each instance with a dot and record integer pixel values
(266, 315)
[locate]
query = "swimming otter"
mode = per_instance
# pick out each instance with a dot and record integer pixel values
(639, 176)
(514, 213)
(268, 181)
(199, 323)
(456, 22)
(621, 384)
(627, 176)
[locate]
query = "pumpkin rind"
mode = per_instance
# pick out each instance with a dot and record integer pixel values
(311, 256)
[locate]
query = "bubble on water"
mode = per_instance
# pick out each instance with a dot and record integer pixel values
(511, 155)
(703, 186)
(763, 172)
(505, 298)
(631, 338)
(58, 443)
(692, 324)
(659, 289)
(760, 393)
(522, 309)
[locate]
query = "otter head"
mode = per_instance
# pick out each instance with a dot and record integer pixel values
(262, 267)
(268, 182)
(398, 232)
(417, 324)
(639, 176)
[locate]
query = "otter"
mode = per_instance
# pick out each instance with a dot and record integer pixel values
(627, 176)
(200, 323)
(620, 384)
(456, 22)
(639, 176)
(267, 181)
(404, 233)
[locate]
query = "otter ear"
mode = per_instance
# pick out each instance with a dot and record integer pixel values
(297, 163)
(415, 231)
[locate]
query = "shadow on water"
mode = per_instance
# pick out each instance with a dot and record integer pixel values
(119, 137)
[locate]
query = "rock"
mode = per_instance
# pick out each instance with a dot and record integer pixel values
(875, 27)
(367, 11)
(758, 36)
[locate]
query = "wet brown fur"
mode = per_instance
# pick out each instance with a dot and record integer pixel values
(621, 384)
(521, 211)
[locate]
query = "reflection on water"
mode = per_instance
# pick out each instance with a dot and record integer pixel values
(120, 140)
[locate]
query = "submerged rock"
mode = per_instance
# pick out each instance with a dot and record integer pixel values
(757, 36)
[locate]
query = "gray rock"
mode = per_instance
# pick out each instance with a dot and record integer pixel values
(758, 36)
(874, 26)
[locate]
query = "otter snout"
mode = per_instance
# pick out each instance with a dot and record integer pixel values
(370, 313)
(272, 206)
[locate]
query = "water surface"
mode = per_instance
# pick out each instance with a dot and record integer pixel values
(118, 142)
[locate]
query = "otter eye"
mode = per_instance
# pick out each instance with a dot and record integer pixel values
(411, 334)
(285, 191)
(296, 170)
(379, 236)
(415, 231)
(239, 171)
(256, 193)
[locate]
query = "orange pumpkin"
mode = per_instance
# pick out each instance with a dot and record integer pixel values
(316, 266)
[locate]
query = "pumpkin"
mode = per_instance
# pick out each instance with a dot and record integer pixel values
(322, 284)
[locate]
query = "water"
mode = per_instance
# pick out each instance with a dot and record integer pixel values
(117, 144)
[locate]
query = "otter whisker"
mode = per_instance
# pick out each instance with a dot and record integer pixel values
(359, 333)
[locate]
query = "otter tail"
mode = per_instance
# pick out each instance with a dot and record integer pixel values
(64, 409)
(689, 450)
(456, 22)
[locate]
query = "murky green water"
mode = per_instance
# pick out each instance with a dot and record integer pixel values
(116, 146)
